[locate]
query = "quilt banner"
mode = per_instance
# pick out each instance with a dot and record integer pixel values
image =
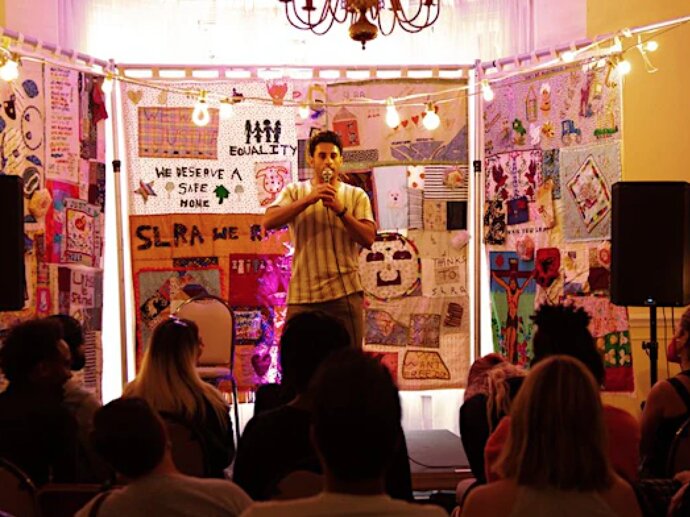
(367, 139)
(234, 165)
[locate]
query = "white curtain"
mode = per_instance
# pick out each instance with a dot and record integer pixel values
(256, 32)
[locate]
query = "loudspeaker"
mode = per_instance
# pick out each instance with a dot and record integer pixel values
(650, 243)
(12, 278)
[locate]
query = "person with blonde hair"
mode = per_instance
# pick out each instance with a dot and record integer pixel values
(169, 382)
(555, 461)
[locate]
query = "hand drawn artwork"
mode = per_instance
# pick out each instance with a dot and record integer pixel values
(588, 174)
(391, 197)
(391, 268)
(78, 291)
(271, 177)
(512, 294)
(367, 138)
(610, 327)
(259, 279)
(228, 166)
(444, 276)
(83, 239)
(383, 329)
(158, 292)
(62, 124)
(421, 365)
(575, 107)
(513, 175)
(22, 144)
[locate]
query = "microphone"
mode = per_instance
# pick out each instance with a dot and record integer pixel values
(327, 175)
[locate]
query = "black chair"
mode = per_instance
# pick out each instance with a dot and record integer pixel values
(18, 494)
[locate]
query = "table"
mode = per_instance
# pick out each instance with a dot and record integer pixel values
(437, 459)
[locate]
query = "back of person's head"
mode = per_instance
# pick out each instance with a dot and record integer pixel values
(31, 344)
(307, 340)
(478, 377)
(356, 415)
(557, 433)
(130, 436)
(325, 137)
(684, 328)
(73, 334)
(562, 329)
(168, 379)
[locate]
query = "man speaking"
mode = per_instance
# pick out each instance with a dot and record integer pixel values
(328, 221)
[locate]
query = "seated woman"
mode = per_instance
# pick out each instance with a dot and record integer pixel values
(555, 461)
(667, 406)
(169, 382)
(491, 385)
(563, 329)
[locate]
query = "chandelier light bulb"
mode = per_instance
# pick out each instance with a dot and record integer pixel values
(9, 71)
(226, 109)
(107, 85)
(200, 115)
(487, 91)
(431, 120)
(392, 116)
(303, 111)
(623, 67)
(651, 46)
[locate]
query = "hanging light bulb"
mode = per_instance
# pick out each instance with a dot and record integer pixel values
(568, 56)
(9, 70)
(201, 115)
(623, 67)
(431, 120)
(487, 92)
(107, 84)
(651, 46)
(303, 111)
(226, 109)
(392, 116)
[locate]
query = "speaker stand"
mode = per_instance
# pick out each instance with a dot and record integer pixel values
(652, 346)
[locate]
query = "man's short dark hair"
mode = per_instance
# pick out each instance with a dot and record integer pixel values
(327, 137)
(307, 340)
(28, 344)
(130, 436)
(356, 415)
(562, 330)
(72, 333)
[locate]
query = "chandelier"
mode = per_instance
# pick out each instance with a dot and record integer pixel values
(319, 16)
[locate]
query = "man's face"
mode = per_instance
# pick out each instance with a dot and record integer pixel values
(56, 371)
(326, 155)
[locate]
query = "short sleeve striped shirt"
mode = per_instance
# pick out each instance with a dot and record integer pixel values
(323, 246)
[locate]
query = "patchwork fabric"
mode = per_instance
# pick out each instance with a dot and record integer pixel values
(551, 170)
(435, 215)
(259, 279)
(391, 268)
(391, 197)
(513, 175)
(62, 124)
(588, 174)
(446, 182)
(415, 204)
(494, 222)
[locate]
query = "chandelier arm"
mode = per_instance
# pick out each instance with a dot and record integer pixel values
(305, 24)
(408, 23)
(333, 9)
(379, 22)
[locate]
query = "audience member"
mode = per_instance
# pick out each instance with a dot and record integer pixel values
(667, 406)
(131, 437)
(36, 432)
(80, 402)
(355, 429)
(276, 442)
(555, 460)
(169, 382)
(563, 330)
(492, 383)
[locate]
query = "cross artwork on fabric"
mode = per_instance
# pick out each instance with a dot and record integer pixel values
(509, 280)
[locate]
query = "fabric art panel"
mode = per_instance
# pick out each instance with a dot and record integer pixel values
(587, 175)
(513, 175)
(512, 295)
(446, 182)
(391, 197)
(415, 201)
(367, 138)
(391, 268)
(435, 215)
(229, 166)
(259, 279)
